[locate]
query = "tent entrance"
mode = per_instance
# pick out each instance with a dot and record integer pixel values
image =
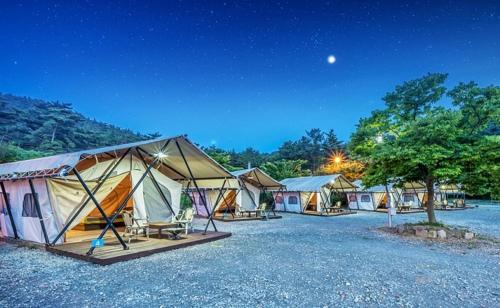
(383, 202)
(312, 205)
(227, 204)
(94, 221)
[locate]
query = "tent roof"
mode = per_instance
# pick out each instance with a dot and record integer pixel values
(381, 188)
(258, 178)
(172, 164)
(315, 183)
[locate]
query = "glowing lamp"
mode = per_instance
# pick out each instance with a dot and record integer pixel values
(161, 155)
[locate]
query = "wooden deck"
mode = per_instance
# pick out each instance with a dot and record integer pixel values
(113, 252)
(411, 211)
(329, 214)
(454, 208)
(230, 218)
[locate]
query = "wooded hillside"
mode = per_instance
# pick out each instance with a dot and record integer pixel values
(32, 127)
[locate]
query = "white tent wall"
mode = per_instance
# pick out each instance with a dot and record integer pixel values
(210, 198)
(244, 200)
(137, 169)
(285, 206)
(375, 198)
(27, 222)
(362, 201)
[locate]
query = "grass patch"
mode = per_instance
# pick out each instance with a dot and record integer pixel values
(426, 223)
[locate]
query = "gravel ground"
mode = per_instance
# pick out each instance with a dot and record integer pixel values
(296, 261)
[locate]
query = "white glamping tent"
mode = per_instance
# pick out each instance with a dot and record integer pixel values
(240, 195)
(411, 195)
(311, 193)
(43, 199)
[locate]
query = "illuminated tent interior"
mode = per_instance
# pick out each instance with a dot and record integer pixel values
(43, 199)
(312, 193)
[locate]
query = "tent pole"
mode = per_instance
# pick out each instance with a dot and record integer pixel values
(322, 201)
(193, 203)
(124, 202)
(99, 208)
(195, 184)
(162, 163)
(94, 191)
(300, 203)
(342, 187)
(9, 210)
(249, 194)
(38, 211)
(227, 204)
(157, 186)
(416, 194)
(221, 193)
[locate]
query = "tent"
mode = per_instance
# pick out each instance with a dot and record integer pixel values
(311, 193)
(372, 198)
(448, 192)
(238, 195)
(44, 198)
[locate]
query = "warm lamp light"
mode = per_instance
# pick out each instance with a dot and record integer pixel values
(161, 155)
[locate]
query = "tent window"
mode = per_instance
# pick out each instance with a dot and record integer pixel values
(293, 200)
(407, 197)
(365, 198)
(29, 209)
(3, 206)
(279, 199)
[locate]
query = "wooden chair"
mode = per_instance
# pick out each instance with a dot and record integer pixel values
(134, 225)
(185, 219)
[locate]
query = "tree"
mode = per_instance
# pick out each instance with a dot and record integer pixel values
(247, 156)
(428, 150)
(220, 156)
(339, 163)
(411, 140)
(283, 169)
(415, 97)
(10, 153)
(480, 110)
(313, 147)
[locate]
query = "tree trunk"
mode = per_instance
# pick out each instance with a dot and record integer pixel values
(431, 216)
(53, 134)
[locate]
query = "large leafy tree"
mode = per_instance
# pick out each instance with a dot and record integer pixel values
(411, 140)
(480, 110)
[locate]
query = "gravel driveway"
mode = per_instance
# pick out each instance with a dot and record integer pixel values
(297, 261)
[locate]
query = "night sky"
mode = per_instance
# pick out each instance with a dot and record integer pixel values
(239, 74)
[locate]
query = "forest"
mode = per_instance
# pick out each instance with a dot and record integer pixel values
(425, 132)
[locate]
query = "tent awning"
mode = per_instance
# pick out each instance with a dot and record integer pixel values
(315, 183)
(257, 178)
(171, 163)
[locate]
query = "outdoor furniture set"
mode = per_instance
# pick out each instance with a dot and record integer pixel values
(181, 223)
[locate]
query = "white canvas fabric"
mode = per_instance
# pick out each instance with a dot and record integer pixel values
(137, 169)
(27, 223)
(67, 195)
(244, 200)
(201, 165)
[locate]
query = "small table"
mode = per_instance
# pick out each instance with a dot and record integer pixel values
(171, 227)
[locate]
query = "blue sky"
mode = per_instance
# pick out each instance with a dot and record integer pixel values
(239, 74)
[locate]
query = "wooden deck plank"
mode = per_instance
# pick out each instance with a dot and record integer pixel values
(113, 252)
(311, 213)
(245, 218)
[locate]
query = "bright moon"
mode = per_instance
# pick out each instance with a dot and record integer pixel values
(331, 59)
